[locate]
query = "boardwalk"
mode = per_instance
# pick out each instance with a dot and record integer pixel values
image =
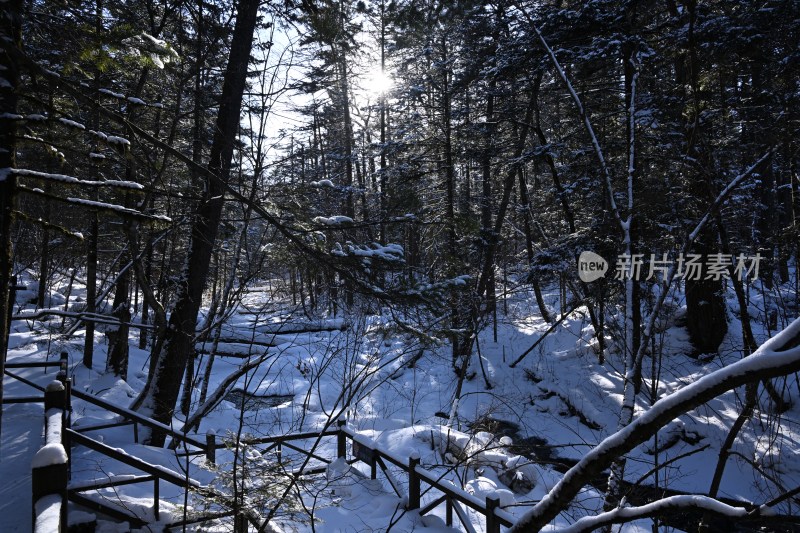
(20, 441)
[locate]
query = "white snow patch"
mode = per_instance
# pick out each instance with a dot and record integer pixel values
(49, 454)
(48, 514)
(335, 220)
(72, 123)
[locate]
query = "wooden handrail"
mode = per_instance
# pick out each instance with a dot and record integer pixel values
(452, 495)
(137, 417)
(158, 471)
(451, 491)
(293, 436)
(23, 380)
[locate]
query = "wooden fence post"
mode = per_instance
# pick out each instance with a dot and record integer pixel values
(49, 475)
(413, 482)
(211, 447)
(64, 363)
(492, 503)
(55, 396)
(341, 442)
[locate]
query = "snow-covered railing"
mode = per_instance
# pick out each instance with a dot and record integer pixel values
(50, 465)
(365, 450)
(128, 417)
(16, 363)
(155, 473)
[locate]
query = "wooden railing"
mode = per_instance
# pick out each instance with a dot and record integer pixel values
(50, 474)
(155, 474)
(367, 451)
(50, 465)
(453, 497)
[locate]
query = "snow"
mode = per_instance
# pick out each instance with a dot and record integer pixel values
(53, 426)
(559, 396)
(113, 139)
(390, 252)
(114, 207)
(72, 123)
(50, 454)
(335, 220)
(698, 501)
(109, 92)
(71, 179)
(48, 514)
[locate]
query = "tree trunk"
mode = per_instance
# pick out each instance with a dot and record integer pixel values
(179, 336)
(11, 32)
(44, 258)
(118, 349)
(91, 288)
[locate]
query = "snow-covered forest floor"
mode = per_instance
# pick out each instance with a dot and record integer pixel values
(517, 429)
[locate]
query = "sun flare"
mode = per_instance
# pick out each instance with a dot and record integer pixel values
(378, 83)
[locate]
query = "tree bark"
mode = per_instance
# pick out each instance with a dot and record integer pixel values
(10, 36)
(179, 336)
(117, 360)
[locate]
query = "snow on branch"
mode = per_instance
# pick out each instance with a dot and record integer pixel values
(335, 220)
(688, 501)
(62, 178)
(72, 124)
(111, 139)
(64, 231)
(118, 209)
(777, 357)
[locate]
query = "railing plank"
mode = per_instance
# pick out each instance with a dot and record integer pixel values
(32, 364)
(158, 471)
(455, 493)
(463, 518)
(390, 477)
(23, 399)
(141, 419)
(105, 483)
(101, 507)
(427, 508)
(23, 380)
(301, 450)
(294, 436)
(96, 427)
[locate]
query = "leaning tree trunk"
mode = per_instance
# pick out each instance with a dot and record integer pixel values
(179, 336)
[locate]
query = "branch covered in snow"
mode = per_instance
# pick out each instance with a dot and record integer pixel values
(688, 501)
(102, 206)
(62, 178)
(777, 357)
